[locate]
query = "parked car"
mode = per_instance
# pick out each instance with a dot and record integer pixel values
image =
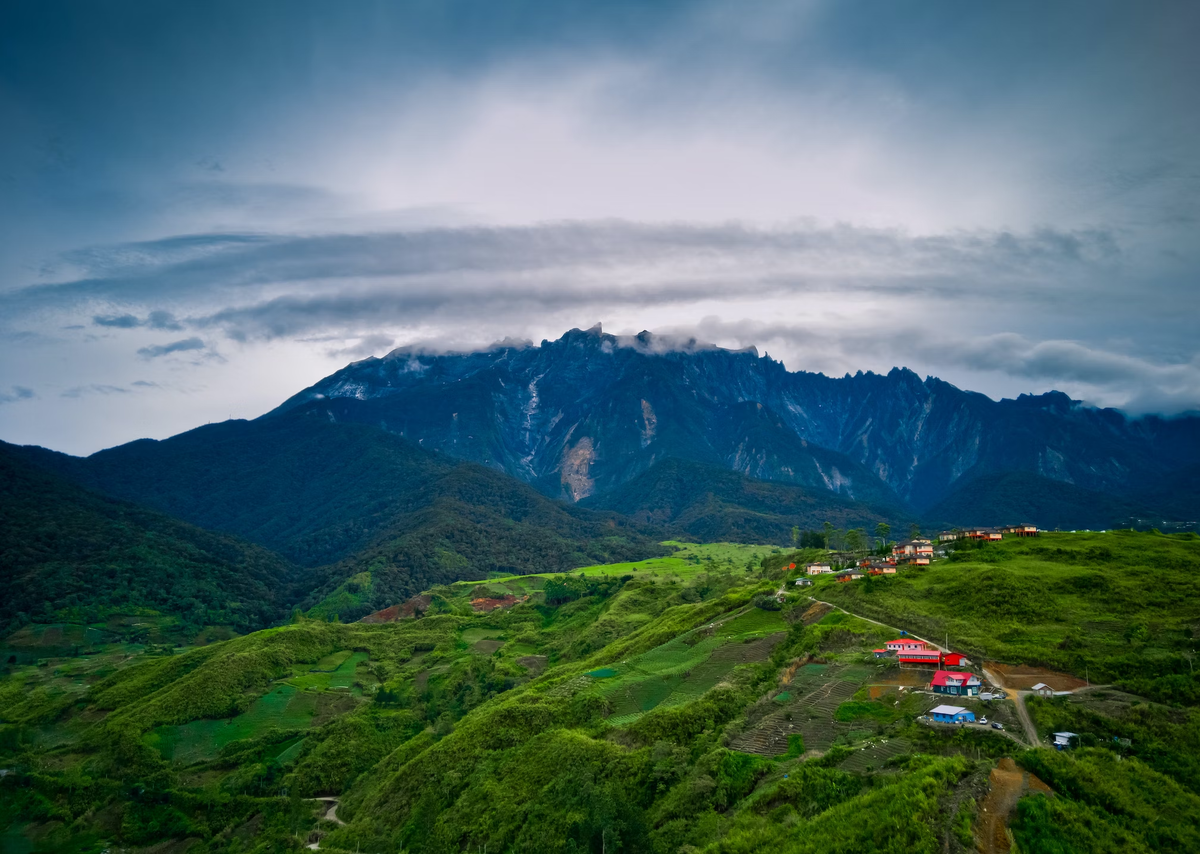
(997, 725)
(983, 720)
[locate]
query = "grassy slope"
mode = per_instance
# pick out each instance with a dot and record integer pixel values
(1120, 605)
(67, 552)
(461, 731)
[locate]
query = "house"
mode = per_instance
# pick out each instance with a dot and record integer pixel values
(818, 568)
(926, 656)
(804, 582)
(1042, 690)
(988, 534)
(848, 575)
(905, 644)
(948, 536)
(910, 548)
(882, 653)
(1021, 530)
(1062, 740)
(955, 659)
(952, 715)
(959, 684)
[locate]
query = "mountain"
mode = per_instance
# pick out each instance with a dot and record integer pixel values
(66, 551)
(1024, 497)
(587, 413)
(715, 504)
(353, 498)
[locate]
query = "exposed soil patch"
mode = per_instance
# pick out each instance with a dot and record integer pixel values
(1024, 677)
(535, 664)
(485, 604)
(407, 610)
(815, 613)
(1008, 784)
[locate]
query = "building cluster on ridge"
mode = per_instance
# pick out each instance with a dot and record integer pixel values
(914, 552)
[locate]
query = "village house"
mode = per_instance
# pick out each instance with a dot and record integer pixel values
(1021, 530)
(1062, 740)
(952, 715)
(818, 568)
(913, 548)
(1042, 690)
(958, 684)
(955, 659)
(804, 582)
(947, 536)
(881, 569)
(988, 534)
(848, 575)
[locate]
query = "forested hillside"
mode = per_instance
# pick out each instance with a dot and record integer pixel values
(351, 498)
(70, 554)
(709, 504)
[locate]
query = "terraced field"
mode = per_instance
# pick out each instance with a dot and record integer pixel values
(284, 708)
(685, 667)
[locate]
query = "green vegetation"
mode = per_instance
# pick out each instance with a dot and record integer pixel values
(69, 555)
(710, 503)
(646, 706)
(1120, 606)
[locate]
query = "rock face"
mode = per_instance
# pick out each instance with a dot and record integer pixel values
(584, 414)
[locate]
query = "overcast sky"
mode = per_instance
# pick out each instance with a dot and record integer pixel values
(206, 206)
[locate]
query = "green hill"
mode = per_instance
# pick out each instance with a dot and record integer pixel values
(709, 504)
(1019, 497)
(664, 706)
(70, 554)
(349, 499)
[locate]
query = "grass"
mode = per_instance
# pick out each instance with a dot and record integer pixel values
(283, 708)
(689, 559)
(341, 677)
(1117, 606)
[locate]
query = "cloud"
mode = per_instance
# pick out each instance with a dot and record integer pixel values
(1102, 376)
(122, 321)
(368, 345)
(154, 351)
(18, 393)
(156, 320)
(95, 388)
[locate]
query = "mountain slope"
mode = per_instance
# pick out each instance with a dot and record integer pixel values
(63, 548)
(715, 504)
(1024, 497)
(354, 498)
(587, 413)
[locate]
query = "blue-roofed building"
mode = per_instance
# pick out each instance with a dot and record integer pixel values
(952, 715)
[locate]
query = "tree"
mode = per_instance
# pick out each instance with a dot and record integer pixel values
(883, 530)
(914, 531)
(795, 536)
(828, 527)
(854, 539)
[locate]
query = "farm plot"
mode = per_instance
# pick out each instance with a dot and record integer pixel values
(873, 755)
(806, 707)
(283, 708)
(341, 678)
(685, 667)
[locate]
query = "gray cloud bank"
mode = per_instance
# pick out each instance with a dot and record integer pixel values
(1047, 306)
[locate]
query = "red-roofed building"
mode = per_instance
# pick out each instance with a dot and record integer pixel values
(955, 659)
(959, 684)
(928, 657)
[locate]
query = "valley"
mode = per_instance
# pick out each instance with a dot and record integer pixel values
(698, 701)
